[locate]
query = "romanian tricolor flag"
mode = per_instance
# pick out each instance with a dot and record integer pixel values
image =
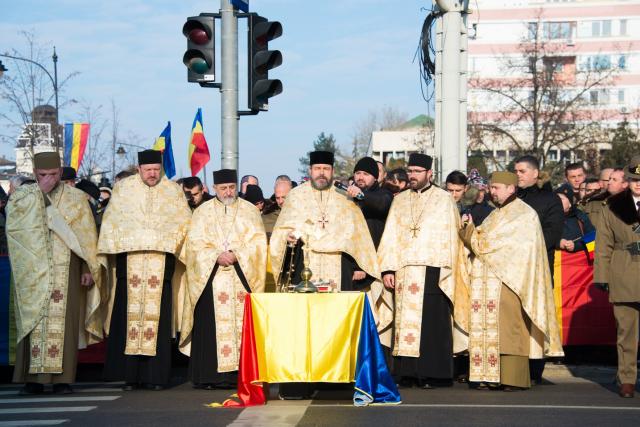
(312, 338)
(589, 240)
(584, 313)
(163, 144)
(76, 136)
(198, 150)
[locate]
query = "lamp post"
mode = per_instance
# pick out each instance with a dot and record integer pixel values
(54, 82)
(121, 152)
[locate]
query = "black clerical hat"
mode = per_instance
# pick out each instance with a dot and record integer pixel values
(253, 194)
(367, 164)
(68, 173)
(89, 187)
(420, 160)
(225, 176)
(149, 157)
(321, 157)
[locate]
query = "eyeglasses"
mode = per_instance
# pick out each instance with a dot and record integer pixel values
(416, 171)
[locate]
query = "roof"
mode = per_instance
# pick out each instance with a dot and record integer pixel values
(421, 120)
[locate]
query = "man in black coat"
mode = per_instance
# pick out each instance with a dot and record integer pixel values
(373, 200)
(549, 209)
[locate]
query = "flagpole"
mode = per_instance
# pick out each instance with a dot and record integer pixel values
(204, 171)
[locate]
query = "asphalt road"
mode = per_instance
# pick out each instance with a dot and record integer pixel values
(577, 397)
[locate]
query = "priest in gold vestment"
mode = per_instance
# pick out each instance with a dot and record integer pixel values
(340, 249)
(142, 232)
(421, 259)
(512, 312)
(52, 243)
(225, 253)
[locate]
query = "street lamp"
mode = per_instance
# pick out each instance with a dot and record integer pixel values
(54, 82)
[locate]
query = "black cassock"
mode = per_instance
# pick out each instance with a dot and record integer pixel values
(348, 266)
(203, 364)
(135, 369)
(375, 207)
(436, 338)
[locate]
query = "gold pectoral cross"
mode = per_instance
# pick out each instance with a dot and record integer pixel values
(415, 230)
(323, 222)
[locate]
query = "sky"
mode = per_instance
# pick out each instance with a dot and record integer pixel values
(341, 59)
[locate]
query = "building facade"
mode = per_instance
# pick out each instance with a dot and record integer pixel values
(573, 65)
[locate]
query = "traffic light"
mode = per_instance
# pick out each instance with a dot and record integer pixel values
(200, 54)
(261, 60)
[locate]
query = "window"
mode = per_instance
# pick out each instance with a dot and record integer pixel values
(606, 28)
(595, 29)
(532, 30)
(557, 30)
(601, 62)
(622, 62)
(599, 97)
(620, 96)
(623, 27)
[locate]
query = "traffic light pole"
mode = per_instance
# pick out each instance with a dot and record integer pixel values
(229, 89)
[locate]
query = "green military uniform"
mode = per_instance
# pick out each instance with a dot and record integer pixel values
(617, 263)
(595, 207)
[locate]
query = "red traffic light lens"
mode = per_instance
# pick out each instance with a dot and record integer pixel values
(199, 36)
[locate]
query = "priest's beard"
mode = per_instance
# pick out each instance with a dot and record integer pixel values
(228, 201)
(321, 182)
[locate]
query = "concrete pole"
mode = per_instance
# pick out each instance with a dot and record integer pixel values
(450, 95)
(463, 78)
(229, 89)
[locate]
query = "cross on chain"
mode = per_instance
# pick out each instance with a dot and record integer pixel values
(414, 229)
(323, 222)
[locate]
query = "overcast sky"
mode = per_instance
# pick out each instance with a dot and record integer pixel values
(341, 59)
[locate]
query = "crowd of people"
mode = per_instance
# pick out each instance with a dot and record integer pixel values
(459, 277)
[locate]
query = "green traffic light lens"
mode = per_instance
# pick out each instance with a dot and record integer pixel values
(198, 65)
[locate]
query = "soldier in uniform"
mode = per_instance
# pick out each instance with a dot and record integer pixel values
(617, 267)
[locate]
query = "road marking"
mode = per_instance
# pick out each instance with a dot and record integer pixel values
(476, 406)
(45, 410)
(32, 423)
(272, 415)
(58, 399)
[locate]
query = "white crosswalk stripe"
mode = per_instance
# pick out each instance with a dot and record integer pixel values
(50, 409)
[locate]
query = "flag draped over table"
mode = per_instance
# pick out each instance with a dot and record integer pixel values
(76, 136)
(163, 144)
(584, 313)
(328, 338)
(198, 149)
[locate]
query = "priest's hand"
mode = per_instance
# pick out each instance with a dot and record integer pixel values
(353, 191)
(292, 239)
(389, 280)
(226, 259)
(86, 280)
(358, 275)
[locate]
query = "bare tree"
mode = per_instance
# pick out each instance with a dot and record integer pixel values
(384, 118)
(96, 155)
(544, 99)
(23, 88)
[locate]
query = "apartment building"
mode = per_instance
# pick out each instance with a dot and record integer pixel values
(590, 46)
